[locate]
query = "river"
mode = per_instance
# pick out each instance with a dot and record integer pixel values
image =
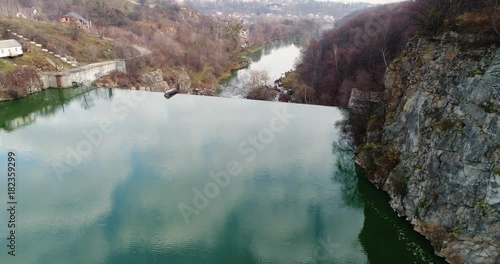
(275, 58)
(115, 176)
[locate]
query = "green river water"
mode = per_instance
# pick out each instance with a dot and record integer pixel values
(114, 176)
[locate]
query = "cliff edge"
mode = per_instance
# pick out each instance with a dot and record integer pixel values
(442, 124)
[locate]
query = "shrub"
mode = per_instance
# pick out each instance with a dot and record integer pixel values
(400, 186)
(263, 93)
(474, 16)
(18, 82)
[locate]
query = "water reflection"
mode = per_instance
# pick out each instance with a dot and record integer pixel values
(120, 203)
(275, 58)
(345, 174)
(385, 237)
(22, 112)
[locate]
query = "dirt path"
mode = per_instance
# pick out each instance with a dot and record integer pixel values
(143, 51)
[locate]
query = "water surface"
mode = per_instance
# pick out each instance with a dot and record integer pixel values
(275, 59)
(102, 175)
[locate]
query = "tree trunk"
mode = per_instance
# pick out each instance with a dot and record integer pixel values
(495, 18)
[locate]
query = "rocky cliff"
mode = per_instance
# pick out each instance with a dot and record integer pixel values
(150, 81)
(442, 134)
(19, 83)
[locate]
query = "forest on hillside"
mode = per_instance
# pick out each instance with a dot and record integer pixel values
(179, 37)
(299, 8)
(356, 54)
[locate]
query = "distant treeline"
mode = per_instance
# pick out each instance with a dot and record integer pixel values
(331, 8)
(179, 37)
(357, 53)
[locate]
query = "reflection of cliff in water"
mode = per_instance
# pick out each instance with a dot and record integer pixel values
(385, 237)
(345, 174)
(24, 111)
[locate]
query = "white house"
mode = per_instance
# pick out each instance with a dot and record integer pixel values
(10, 48)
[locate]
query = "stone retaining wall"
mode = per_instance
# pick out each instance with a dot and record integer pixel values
(84, 75)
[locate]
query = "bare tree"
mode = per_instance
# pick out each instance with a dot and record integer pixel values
(383, 36)
(75, 31)
(494, 17)
(256, 82)
(256, 79)
(9, 7)
(430, 15)
(303, 93)
(101, 32)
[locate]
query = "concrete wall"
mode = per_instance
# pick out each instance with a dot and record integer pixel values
(48, 80)
(82, 75)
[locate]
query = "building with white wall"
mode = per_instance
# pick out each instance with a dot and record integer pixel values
(10, 48)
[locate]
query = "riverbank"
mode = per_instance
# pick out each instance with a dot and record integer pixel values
(18, 83)
(244, 63)
(244, 55)
(266, 64)
(46, 53)
(148, 81)
(211, 49)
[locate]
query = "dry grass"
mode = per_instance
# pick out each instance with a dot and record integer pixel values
(476, 21)
(57, 38)
(37, 58)
(6, 65)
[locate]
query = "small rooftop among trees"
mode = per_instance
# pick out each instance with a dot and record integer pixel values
(74, 18)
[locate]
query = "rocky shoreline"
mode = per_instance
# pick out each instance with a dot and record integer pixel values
(442, 125)
(28, 85)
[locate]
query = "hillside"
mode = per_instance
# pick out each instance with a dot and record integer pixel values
(179, 41)
(424, 114)
(87, 48)
(19, 75)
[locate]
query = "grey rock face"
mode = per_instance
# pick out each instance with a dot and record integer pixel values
(154, 82)
(443, 116)
(183, 82)
(33, 86)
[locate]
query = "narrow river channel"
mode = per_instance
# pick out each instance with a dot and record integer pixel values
(275, 58)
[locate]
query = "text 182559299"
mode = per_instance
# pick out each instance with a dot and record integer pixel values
(11, 203)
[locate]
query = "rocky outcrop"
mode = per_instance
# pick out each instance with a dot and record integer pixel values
(183, 82)
(18, 84)
(153, 81)
(443, 120)
(34, 85)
